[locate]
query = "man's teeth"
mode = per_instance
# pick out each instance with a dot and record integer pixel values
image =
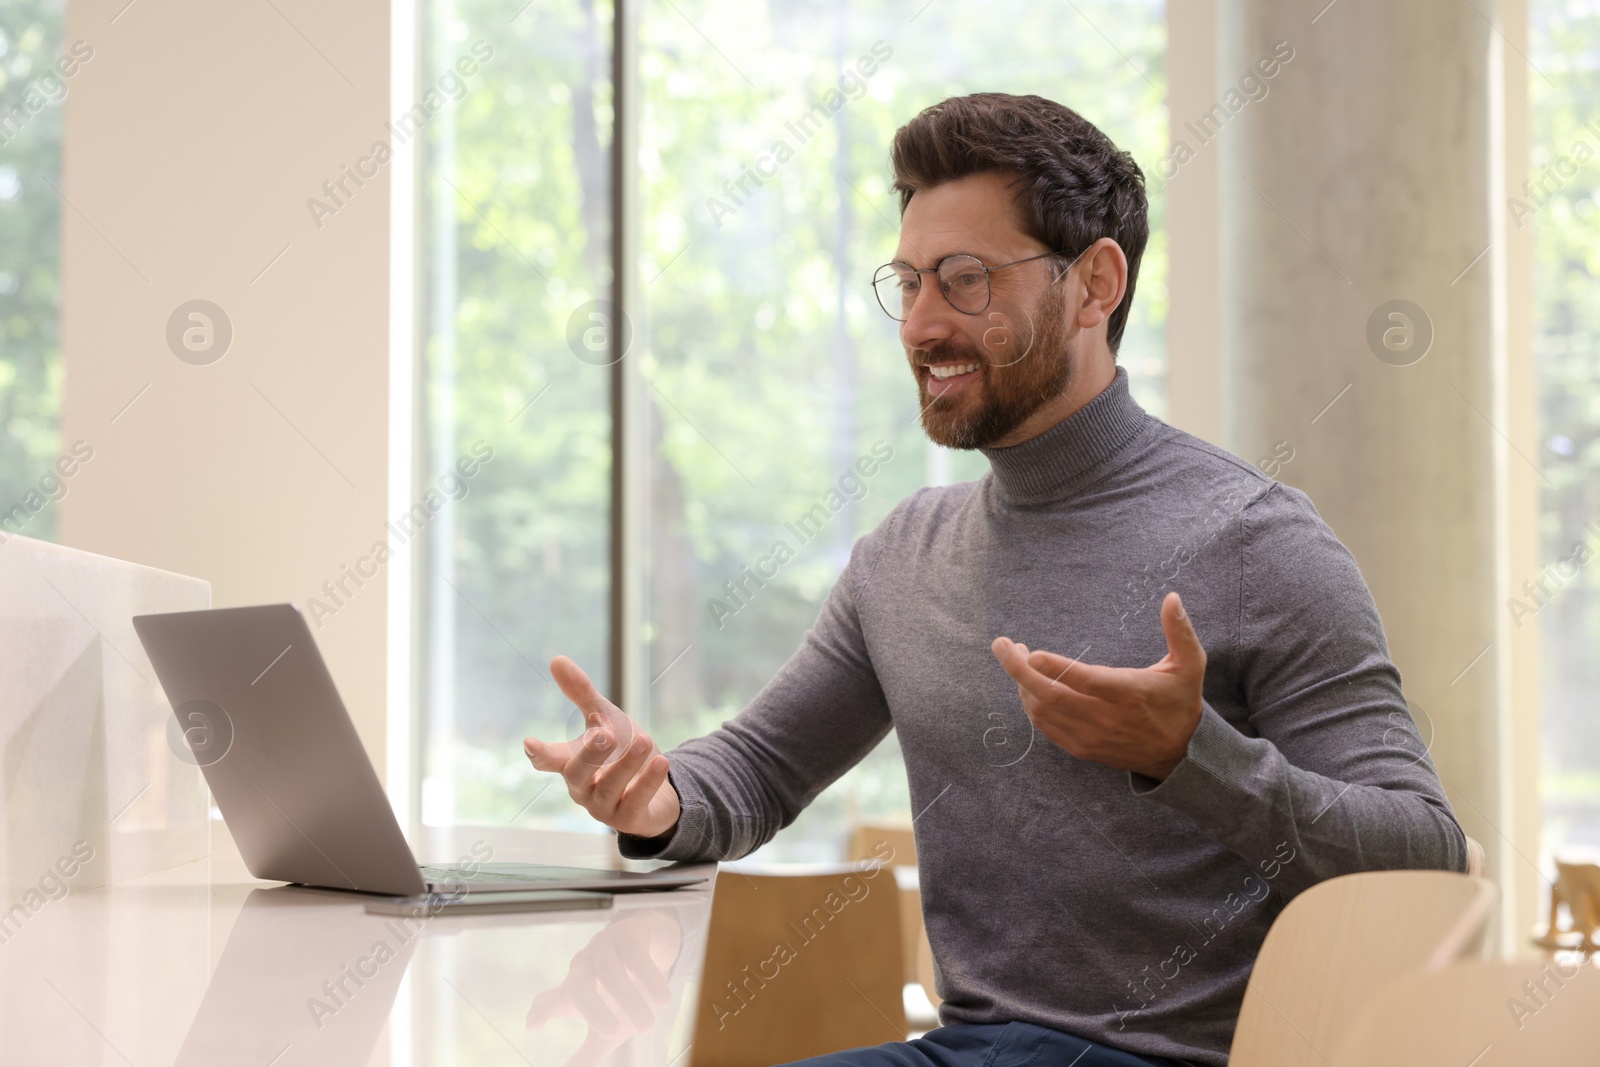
(949, 370)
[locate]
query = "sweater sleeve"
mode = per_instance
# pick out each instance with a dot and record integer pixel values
(1332, 773)
(820, 715)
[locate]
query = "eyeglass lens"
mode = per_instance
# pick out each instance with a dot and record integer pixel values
(963, 279)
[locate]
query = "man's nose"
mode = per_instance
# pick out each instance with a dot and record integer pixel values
(932, 318)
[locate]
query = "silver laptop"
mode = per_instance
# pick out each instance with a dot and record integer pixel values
(257, 709)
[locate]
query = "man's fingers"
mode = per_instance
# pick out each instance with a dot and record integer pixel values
(591, 752)
(1053, 663)
(626, 995)
(634, 803)
(595, 708)
(547, 755)
(612, 779)
(585, 997)
(547, 1005)
(1003, 648)
(1183, 644)
(1093, 679)
(576, 685)
(647, 976)
(1014, 658)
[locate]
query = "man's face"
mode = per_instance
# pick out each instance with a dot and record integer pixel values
(1015, 355)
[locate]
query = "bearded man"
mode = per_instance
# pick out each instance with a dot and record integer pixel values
(1142, 691)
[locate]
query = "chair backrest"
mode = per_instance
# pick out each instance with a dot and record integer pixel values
(1480, 1012)
(799, 963)
(1475, 859)
(867, 842)
(925, 976)
(1339, 941)
(1579, 884)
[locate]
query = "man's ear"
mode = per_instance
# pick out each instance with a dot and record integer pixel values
(1104, 270)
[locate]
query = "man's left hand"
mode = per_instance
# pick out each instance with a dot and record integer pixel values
(1133, 719)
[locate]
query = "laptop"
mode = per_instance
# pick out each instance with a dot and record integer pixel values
(257, 709)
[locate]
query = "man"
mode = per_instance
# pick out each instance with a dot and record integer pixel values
(1142, 691)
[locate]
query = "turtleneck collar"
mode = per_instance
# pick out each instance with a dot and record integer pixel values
(1069, 455)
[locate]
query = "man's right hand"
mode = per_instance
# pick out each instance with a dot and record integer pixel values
(614, 771)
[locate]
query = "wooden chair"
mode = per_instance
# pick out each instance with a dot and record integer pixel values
(868, 842)
(925, 976)
(800, 961)
(1341, 939)
(1577, 885)
(1482, 1013)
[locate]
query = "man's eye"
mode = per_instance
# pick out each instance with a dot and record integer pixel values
(966, 281)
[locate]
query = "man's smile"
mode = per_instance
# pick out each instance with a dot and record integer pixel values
(950, 376)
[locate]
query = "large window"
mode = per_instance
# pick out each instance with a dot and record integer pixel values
(766, 369)
(31, 92)
(515, 235)
(1562, 208)
(771, 369)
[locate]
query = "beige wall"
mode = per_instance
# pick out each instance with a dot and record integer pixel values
(194, 138)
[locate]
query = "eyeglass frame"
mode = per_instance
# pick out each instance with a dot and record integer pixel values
(987, 270)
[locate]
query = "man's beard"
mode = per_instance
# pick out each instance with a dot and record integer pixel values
(1010, 387)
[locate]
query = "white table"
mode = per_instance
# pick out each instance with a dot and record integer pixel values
(203, 965)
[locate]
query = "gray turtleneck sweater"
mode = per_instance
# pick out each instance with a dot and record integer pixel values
(1062, 892)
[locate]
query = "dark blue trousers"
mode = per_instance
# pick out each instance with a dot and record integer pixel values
(987, 1045)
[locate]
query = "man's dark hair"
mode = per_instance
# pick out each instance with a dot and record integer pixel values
(1073, 185)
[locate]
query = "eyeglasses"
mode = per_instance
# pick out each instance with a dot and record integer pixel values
(963, 279)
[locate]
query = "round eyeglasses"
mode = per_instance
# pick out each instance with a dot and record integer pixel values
(963, 279)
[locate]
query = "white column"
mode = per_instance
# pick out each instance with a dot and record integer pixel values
(1194, 306)
(1371, 171)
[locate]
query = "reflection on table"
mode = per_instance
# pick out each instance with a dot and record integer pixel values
(185, 970)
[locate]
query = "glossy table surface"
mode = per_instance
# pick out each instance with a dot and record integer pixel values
(204, 965)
